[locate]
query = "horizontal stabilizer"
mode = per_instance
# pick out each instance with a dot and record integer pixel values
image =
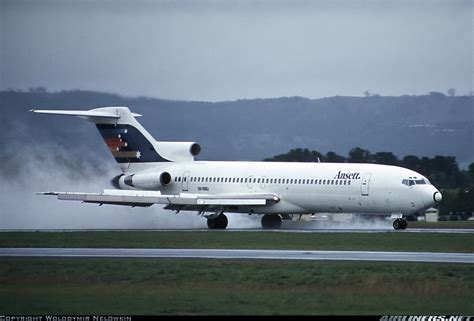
(82, 113)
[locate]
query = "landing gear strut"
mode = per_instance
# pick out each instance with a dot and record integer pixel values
(271, 221)
(217, 223)
(400, 224)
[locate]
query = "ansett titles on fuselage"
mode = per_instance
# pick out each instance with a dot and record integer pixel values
(347, 175)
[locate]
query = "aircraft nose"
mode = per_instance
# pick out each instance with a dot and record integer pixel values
(437, 197)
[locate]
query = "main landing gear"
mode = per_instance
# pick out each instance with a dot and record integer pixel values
(400, 224)
(217, 223)
(271, 221)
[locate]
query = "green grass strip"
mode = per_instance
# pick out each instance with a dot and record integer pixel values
(390, 241)
(181, 286)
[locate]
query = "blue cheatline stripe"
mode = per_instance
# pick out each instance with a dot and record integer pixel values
(136, 148)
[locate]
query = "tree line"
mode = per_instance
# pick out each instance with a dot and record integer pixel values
(443, 172)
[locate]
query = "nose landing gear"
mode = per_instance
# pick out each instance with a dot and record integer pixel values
(400, 224)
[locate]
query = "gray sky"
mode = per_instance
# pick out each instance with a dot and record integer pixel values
(225, 50)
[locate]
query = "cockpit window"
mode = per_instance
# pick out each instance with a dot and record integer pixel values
(415, 181)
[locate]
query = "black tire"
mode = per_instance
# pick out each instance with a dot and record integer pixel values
(271, 221)
(403, 224)
(396, 224)
(218, 223)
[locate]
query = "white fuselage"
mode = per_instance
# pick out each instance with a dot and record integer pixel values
(304, 188)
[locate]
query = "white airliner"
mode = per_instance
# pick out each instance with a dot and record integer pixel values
(156, 172)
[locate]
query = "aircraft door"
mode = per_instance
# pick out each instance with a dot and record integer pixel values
(262, 182)
(250, 182)
(364, 187)
(185, 181)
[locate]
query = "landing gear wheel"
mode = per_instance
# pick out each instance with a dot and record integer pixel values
(403, 225)
(218, 223)
(271, 221)
(400, 224)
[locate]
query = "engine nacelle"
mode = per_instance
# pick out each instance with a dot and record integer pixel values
(178, 151)
(149, 181)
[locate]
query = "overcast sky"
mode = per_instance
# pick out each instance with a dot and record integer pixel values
(226, 50)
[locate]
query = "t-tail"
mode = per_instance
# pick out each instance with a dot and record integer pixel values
(132, 146)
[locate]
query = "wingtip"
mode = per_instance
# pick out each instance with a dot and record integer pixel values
(46, 193)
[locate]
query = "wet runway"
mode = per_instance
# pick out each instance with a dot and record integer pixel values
(241, 254)
(282, 230)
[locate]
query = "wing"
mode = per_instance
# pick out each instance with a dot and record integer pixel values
(175, 202)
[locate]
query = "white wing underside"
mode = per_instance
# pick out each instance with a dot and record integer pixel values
(148, 198)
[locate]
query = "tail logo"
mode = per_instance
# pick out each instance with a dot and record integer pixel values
(128, 145)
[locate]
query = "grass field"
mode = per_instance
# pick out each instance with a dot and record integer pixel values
(180, 286)
(430, 242)
(250, 287)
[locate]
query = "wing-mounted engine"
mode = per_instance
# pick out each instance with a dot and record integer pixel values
(145, 181)
(178, 151)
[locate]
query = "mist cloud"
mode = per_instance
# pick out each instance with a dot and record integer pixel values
(23, 209)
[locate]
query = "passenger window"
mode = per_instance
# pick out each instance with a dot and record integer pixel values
(245, 181)
(332, 182)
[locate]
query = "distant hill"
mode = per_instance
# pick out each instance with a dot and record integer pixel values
(254, 129)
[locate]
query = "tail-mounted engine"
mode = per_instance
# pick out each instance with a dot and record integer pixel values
(178, 151)
(147, 181)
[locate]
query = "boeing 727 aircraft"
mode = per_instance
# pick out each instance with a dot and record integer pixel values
(156, 172)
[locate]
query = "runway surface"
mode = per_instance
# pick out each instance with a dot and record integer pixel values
(241, 254)
(283, 230)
